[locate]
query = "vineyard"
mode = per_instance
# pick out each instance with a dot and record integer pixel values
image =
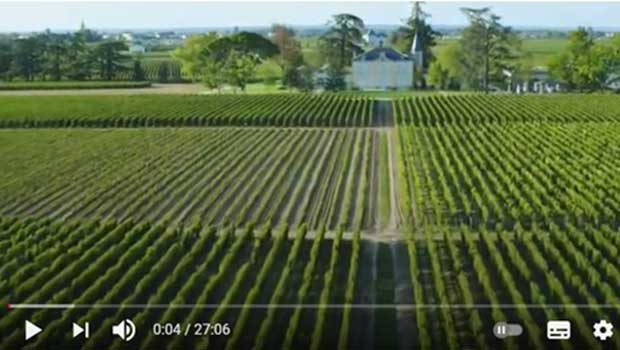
(415, 223)
(168, 110)
(502, 175)
(511, 201)
(475, 109)
(161, 71)
(519, 174)
(182, 176)
(199, 265)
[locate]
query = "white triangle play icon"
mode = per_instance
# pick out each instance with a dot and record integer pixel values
(31, 330)
(77, 330)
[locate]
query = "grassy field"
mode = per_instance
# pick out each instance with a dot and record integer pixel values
(434, 200)
(537, 52)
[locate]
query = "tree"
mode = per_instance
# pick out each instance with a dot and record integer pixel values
(335, 80)
(290, 59)
(269, 72)
(611, 58)
(289, 47)
(438, 76)
(137, 72)
(28, 58)
(213, 74)
(450, 61)
(6, 58)
(163, 72)
(343, 40)
(586, 65)
(55, 57)
(231, 59)
(416, 24)
(486, 48)
(109, 58)
(299, 77)
(242, 43)
(79, 58)
(194, 53)
(239, 69)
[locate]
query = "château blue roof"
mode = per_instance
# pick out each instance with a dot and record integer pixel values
(382, 53)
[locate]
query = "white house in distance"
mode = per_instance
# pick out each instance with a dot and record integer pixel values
(136, 48)
(614, 82)
(384, 68)
(375, 39)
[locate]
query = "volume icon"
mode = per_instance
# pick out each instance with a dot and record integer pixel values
(126, 330)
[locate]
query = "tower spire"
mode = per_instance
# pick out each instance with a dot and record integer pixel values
(417, 51)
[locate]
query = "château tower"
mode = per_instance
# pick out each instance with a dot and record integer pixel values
(417, 53)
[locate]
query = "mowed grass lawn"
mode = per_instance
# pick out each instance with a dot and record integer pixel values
(540, 51)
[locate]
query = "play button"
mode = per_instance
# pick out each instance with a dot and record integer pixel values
(78, 330)
(31, 330)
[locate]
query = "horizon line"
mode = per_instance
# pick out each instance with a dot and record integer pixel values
(612, 28)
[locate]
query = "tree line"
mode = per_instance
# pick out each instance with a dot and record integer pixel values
(488, 53)
(218, 60)
(233, 60)
(71, 56)
(486, 56)
(588, 64)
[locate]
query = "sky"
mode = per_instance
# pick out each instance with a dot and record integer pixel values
(37, 16)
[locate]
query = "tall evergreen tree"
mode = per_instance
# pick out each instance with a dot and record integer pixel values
(79, 58)
(56, 57)
(6, 58)
(163, 73)
(138, 71)
(28, 59)
(109, 57)
(486, 47)
(417, 24)
(343, 40)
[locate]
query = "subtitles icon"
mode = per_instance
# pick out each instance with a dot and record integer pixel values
(558, 330)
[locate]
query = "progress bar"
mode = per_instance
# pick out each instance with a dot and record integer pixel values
(314, 306)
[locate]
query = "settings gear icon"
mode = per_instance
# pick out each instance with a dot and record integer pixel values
(603, 330)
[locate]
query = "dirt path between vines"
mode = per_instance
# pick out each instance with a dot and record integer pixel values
(403, 288)
(373, 217)
(394, 181)
(390, 230)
